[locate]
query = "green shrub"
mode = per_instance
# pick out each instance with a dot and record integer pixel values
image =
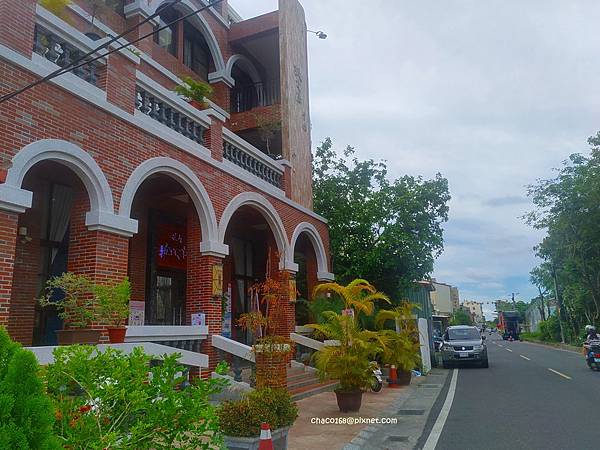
(243, 417)
(550, 329)
(26, 413)
(114, 400)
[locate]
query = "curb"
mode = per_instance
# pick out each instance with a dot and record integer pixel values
(557, 345)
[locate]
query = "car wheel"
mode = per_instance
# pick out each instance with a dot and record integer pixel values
(485, 364)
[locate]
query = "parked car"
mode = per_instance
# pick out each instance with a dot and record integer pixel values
(463, 344)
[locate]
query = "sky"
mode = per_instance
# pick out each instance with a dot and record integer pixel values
(493, 95)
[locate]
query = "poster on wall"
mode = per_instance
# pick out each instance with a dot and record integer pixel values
(171, 242)
(226, 331)
(293, 290)
(199, 319)
(136, 313)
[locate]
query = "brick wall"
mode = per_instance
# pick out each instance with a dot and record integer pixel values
(8, 239)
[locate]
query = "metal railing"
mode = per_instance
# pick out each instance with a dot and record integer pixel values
(61, 53)
(249, 162)
(244, 98)
(161, 111)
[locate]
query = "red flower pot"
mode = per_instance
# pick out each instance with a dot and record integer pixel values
(117, 335)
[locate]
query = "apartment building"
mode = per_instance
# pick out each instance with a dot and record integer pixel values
(105, 171)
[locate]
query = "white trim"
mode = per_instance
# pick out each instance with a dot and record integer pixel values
(81, 89)
(233, 347)
(140, 8)
(71, 156)
(190, 182)
(111, 223)
(149, 333)
(253, 71)
(14, 199)
(221, 75)
(325, 276)
(270, 214)
(317, 244)
(306, 341)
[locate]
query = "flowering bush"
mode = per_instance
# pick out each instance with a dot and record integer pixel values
(114, 400)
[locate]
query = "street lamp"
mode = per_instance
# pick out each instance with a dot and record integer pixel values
(319, 34)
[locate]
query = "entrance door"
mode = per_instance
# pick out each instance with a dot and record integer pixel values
(168, 299)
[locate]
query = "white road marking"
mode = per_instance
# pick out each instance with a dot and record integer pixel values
(525, 357)
(560, 374)
(438, 426)
(509, 350)
(500, 345)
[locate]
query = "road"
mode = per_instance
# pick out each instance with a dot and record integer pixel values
(531, 397)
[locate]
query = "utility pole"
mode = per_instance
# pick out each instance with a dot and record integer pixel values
(513, 300)
(559, 302)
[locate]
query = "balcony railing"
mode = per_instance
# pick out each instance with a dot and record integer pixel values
(251, 163)
(61, 53)
(244, 98)
(168, 115)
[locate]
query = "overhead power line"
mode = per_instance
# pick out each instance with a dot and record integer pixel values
(82, 61)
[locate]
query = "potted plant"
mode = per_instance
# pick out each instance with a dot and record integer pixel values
(267, 323)
(349, 361)
(72, 295)
(401, 344)
(241, 419)
(195, 92)
(113, 308)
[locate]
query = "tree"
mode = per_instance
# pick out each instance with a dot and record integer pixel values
(26, 413)
(386, 231)
(461, 317)
(568, 209)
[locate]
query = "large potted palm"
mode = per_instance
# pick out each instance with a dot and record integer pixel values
(401, 341)
(348, 360)
(73, 296)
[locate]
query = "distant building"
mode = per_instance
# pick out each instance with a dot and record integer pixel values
(455, 297)
(441, 299)
(475, 308)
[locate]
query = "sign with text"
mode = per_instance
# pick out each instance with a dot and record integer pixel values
(171, 242)
(293, 290)
(137, 313)
(217, 280)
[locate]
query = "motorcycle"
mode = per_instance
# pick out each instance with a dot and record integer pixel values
(377, 378)
(592, 358)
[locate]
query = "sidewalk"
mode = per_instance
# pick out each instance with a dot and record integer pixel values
(409, 405)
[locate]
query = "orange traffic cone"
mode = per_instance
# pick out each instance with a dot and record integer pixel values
(393, 379)
(266, 443)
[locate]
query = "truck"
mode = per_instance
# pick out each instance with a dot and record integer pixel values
(508, 323)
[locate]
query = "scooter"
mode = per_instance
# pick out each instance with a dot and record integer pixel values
(593, 354)
(376, 379)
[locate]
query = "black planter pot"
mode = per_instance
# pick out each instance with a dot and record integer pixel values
(349, 401)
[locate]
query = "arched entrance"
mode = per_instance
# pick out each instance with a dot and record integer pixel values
(48, 236)
(159, 254)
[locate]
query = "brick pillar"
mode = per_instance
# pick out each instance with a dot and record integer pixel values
(287, 178)
(100, 255)
(145, 45)
(213, 139)
(199, 286)
(120, 81)
(17, 22)
(8, 240)
(221, 93)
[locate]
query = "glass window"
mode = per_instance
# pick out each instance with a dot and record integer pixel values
(196, 54)
(167, 38)
(463, 334)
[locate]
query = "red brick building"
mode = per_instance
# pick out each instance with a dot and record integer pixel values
(106, 171)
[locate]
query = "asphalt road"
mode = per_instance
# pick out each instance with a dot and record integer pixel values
(519, 403)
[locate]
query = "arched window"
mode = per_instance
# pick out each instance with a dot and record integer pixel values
(196, 53)
(167, 38)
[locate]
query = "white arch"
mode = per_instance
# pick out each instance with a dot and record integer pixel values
(270, 214)
(70, 155)
(193, 186)
(316, 241)
(187, 6)
(246, 64)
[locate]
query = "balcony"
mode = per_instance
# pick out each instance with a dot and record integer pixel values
(245, 98)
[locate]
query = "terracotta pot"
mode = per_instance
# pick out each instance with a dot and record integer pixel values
(117, 335)
(197, 105)
(78, 336)
(349, 401)
(404, 377)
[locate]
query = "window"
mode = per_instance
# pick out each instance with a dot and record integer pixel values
(196, 54)
(167, 38)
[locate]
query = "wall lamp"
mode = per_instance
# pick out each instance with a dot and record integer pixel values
(319, 34)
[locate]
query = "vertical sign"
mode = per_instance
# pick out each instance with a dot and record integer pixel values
(136, 313)
(227, 314)
(217, 280)
(293, 291)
